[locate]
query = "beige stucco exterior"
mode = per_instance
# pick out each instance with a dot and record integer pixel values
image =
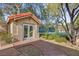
(16, 28)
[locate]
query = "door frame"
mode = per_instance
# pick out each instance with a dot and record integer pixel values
(28, 31)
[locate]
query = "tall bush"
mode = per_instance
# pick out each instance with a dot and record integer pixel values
(7, 37)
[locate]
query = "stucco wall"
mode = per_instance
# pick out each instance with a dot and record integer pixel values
(18, 30)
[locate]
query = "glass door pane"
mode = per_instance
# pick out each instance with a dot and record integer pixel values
(25, 31)
(30, 31)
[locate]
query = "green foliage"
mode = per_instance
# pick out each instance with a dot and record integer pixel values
(60, 39)
(4, 36)
(50, 37)
(53, 8)
(56, 37)
(1, 14)
(45, 13)
(43, 36)
(46, 35)
(77, 22)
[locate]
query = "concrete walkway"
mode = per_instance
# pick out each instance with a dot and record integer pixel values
(39, 48)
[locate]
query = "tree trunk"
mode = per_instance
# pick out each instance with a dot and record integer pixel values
(73, 34)
(73, 16)
(74, 40)
(18, 11)
(56, 25)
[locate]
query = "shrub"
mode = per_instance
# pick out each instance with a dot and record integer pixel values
(63, 34)
(44, 36)
(61, 39)
(50, 37)
(4, 36)
(56, 37)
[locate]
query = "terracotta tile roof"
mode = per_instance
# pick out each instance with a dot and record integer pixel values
(21, 15)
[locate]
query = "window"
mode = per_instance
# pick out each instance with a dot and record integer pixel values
(28, 31)
(31, 31)
(25, 31)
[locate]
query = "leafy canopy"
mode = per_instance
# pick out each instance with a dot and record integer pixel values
(54, 8)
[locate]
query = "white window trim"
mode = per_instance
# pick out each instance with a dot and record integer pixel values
(11, 28)
(28, 29)
(17, 30)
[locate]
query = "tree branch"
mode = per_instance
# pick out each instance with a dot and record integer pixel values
(68, 10)
(76, 13)
(75, 10)
(75, 17)
(63, 14)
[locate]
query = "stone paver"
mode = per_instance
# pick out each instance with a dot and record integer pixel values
(39, 48)
(29, 50)
(9, 52)
(50, 49)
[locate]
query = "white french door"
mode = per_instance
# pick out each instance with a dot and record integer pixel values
(28, 31)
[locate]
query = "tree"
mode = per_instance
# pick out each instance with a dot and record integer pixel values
(1, 14)
(45, 14)
(12, 8)
(73, 13)
(54, 10)
(61, 10)
(47, 21)
(18, 5)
